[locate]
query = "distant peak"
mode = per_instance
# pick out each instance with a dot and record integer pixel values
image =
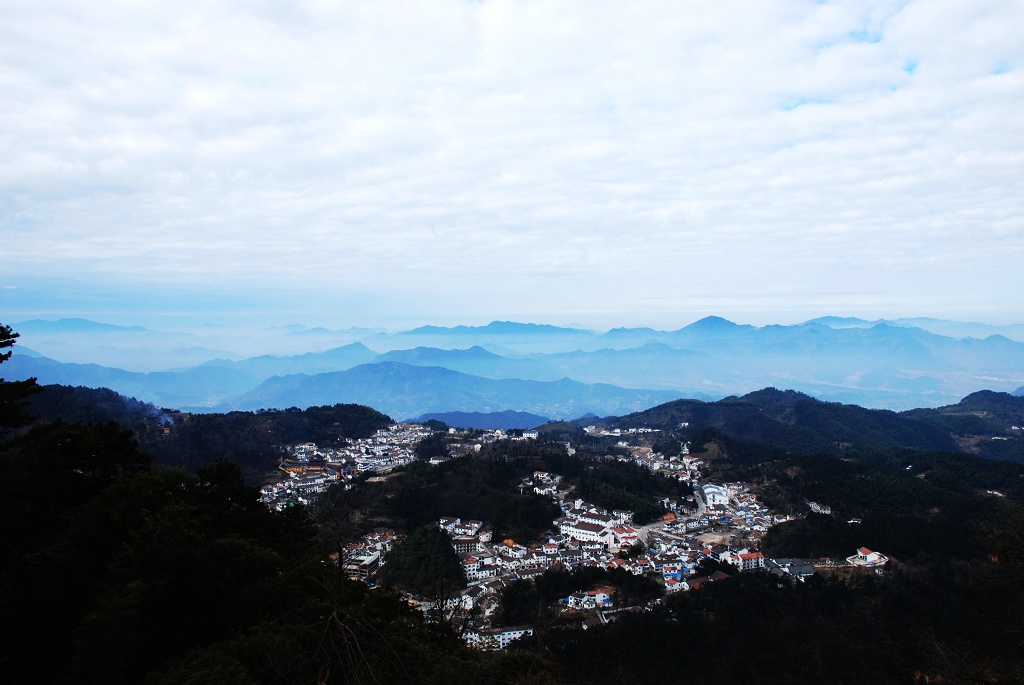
(711, 323)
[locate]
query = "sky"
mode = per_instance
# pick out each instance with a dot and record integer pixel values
(455, 162)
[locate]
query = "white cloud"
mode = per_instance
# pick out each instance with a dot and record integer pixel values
(528, 158)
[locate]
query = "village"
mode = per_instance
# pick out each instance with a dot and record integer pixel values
(311, 469)
(723, 523)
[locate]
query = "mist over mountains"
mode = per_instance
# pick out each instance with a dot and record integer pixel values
(547, 370)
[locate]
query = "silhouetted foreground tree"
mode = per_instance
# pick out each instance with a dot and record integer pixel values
(13, 394)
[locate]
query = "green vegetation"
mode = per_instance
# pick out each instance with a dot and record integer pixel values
(432, 446)
(253, 440)
(424, 564)
(799, 423)
(621, 485)
(953, 625)
(419, 494)
(534, 602)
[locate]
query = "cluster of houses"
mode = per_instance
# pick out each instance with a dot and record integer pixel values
(312, 469)
(586, 535)
(616, 432)
(723, 522)
(495, 434)
(683, 466)
(729, 507)
(362, 560)
(597, 530)
(819, 508)
(298, 488)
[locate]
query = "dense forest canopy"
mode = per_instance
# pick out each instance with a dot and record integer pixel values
(253, 440)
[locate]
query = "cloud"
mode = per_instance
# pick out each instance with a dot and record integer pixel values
(522, 156)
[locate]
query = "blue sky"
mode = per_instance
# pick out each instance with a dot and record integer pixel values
(596, 163)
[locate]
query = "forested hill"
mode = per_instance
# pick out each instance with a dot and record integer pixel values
(253, 440)
(981, 423)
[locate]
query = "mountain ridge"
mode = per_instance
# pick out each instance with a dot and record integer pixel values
(404, 390)
(981, 423)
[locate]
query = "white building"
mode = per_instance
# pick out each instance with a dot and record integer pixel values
(715, 494)
(868, 559)
(498, 638)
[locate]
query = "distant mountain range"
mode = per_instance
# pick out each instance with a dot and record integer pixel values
(200, 386)
(891, 364)
(952, 329)
(404, 390)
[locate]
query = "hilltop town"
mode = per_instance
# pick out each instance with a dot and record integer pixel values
(701, 538)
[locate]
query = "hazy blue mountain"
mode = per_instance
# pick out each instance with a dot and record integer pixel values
(193, 387)
(879, 364)
(39, 326)
(500, 328)
(265, 366)
(844, 322)
(477, 361)
(654, 365)
(887, 366)
(505, 420)
(136, 348)
(299, 331)
(625, 338)
(952, 329)
(1019, 392)
(714, 325)
(518, 338)
(403, 390)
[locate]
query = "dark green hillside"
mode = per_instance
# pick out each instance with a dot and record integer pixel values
(994, 412)
(482, 488)
(946, 609)
(164, 577)
(97, 405)
(955, 626)
(980, 423)
(425, 564)
(913, 504)
(253, 440)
